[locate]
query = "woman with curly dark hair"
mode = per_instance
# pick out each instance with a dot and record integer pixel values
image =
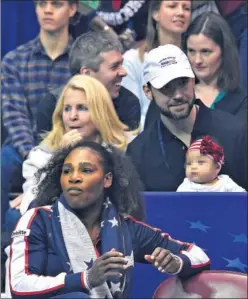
(124, 191)
(81, 241)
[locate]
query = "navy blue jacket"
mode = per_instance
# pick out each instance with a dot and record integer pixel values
(36, 270)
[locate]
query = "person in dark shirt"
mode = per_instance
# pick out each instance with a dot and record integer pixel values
(159, 152)
(214, 58)
(97, 55)
(235, 12)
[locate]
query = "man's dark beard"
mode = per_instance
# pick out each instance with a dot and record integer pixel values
(170, 115)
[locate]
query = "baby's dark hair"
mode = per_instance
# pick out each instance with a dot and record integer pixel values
(124, 193)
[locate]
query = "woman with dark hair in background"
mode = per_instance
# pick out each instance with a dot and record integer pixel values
(213, 54)
(235, 12)
(81, 241)
(167, 21)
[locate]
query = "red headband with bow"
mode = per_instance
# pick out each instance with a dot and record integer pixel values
(208, 147)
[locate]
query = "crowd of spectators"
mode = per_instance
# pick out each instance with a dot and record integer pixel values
(147, 79)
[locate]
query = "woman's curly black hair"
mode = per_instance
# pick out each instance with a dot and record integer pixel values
(124, 193)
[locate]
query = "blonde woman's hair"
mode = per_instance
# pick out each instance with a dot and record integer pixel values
(102, 113)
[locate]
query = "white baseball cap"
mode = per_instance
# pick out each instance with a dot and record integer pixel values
(164, 64)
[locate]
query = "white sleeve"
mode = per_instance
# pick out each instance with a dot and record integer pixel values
(133, 68)
(28, 262)
(134, 80)
(36, 159)
(231, 186)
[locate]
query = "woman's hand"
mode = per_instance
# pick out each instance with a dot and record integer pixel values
(70, 138)
(164, 260)
(16, 203)
(106, 267)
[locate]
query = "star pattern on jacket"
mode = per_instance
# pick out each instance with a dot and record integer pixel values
(89, 264)
(114, 222)
(130, 259)
(107, 203)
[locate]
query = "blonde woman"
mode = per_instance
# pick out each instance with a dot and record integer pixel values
(84, 111)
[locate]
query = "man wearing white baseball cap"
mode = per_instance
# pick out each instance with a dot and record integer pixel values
(164, 64)
(159, 151)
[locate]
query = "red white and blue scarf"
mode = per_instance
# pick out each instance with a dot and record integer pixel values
(76, 250)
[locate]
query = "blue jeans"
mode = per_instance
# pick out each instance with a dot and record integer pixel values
(10, 172)
(238, 23)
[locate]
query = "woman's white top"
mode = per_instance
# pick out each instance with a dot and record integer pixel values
(134, 80)
(37, 158)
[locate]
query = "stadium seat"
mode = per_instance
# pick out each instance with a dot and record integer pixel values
(208, 284)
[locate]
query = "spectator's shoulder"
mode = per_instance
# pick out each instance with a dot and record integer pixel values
(126, 94)
(143, 139)
(131, 54)
(238, 93)
(132, 58)
(229, 129)
(41, 148)
(56, 92)
(35, 214)
(37, 158)
(20, 50)
(239, 96)
(224, 121)
(49, 100)
(230, 122)
(44, 209)
(225, 178)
